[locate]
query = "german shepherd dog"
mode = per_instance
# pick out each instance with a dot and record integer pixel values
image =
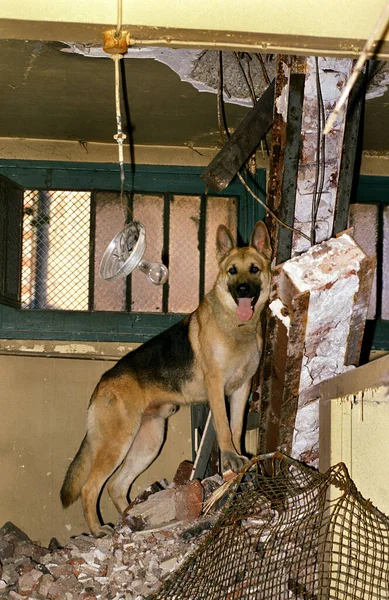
(211, 354)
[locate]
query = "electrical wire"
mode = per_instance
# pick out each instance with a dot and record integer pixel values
(320, 156)
(221, 122)
(119, 136)
(240, 176)
(245, 77)
(119, 17)
(263, 67)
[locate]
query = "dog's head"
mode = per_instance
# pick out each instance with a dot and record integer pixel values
(244, 276)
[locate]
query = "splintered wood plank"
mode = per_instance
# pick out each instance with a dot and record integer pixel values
(223, 168)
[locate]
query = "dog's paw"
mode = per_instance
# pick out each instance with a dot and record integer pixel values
(233, 461)
(103, 531)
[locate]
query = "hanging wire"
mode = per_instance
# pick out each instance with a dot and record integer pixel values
(263, 67)
(246, 78)
(221, 121)
(220, 112)
(119, 136)
(119, 18)
(320, 156)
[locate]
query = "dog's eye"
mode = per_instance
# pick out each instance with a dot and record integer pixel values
(233, 270)
(254, 269)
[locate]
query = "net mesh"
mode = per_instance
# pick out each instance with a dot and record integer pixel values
(56, 248)
(288, 531)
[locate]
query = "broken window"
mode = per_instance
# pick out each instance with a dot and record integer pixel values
(65, 234)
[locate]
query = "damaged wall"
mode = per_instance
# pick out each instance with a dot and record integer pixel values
(43, 406)
(354, 413)
(318, 308)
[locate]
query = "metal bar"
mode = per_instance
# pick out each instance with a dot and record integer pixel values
(350, 151)
(165, 249)
(201, 237)
(291, 161)
(92, 250)
(223, 168)
(129, 216)
(276, 166)
(205, 449)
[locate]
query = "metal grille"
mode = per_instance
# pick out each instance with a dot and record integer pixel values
(60, 267)
(56, 234)
(288, 531)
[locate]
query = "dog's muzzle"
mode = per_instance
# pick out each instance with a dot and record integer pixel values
(245, 298)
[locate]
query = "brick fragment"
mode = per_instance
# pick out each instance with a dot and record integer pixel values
(183, 473)
(29, 582)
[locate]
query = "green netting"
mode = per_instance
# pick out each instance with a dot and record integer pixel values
(288, 531)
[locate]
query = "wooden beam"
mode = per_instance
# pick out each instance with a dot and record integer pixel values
(223, 168)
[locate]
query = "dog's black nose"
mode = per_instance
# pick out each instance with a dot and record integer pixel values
(243, 290)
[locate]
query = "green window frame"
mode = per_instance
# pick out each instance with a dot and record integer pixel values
(112, 326)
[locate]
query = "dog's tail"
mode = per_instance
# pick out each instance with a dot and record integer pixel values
(76, 475)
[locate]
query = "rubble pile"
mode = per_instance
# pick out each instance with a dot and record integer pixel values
(155, 535)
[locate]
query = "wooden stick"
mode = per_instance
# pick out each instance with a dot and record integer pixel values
(378, 31)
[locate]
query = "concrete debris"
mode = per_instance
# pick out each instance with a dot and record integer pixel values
(130, 564)
(317, 315)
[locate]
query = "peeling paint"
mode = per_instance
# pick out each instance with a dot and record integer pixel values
(35, 348)
(278, 309)
(75, 349)
(283, 99)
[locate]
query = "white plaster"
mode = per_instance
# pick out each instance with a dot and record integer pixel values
(179, 60)
(333, 75)
(324, 263)
(283, 98)
(75, 349)
(277, 308)
(35, 348)
(306, 433)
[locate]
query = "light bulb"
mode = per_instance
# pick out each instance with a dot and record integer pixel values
(156, 273)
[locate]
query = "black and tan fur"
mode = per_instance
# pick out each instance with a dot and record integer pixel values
(209, 355)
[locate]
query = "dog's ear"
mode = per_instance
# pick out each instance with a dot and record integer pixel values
(224, 242)
(260, 239)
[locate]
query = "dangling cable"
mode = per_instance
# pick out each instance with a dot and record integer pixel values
(119, 17)
(119, 136)
(320, 156)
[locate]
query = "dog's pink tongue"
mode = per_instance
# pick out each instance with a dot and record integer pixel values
(244, 310)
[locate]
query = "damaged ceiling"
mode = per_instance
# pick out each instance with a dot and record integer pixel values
(64, 91)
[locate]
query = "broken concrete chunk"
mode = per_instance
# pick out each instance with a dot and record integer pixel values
(184, 502)
(317, 315)
(29, 582)
(10, 533)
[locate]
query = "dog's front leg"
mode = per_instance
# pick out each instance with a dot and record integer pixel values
(238, 400)
(230, 458)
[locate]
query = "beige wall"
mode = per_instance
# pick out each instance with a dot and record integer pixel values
(43, 404)
(354, 418)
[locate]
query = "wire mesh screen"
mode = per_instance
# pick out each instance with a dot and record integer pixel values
(56, 246)
(65, 234)
(288, 531)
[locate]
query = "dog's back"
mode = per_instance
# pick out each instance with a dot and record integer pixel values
(210, 354)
